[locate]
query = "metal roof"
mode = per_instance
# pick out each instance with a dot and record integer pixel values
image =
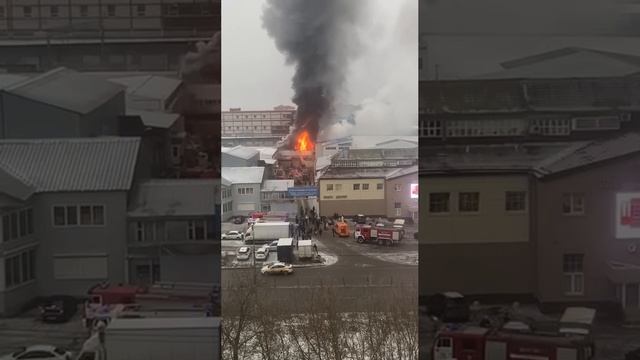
(539, 159)
(243, 174)
(72, 165)
(377, 154)
(149, 86)
(241, 152)
(67, 89)
(175, 197)
(403, 172)
(156, 119)
(277, 185)
(356, 173)
(7, 80)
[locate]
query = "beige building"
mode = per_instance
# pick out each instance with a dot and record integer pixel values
(350, 192)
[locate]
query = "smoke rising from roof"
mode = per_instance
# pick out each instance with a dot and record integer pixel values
(320, 38)
(203, 65)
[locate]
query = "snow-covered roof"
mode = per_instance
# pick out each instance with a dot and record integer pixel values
(66, 89)
(241, 152)
(175, 197)
(243, 174)
(149, 86)
(368, 141)
(157, 119)
(277, 185)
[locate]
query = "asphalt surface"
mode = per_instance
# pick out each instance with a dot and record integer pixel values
(355, 280)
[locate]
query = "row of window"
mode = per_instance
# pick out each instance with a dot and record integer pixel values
(514, 127)
(245, 191)
(439, 202)
(78, 215)
(469, 202)
(111, 10)
(365, 186)
(226, 117)
(19, 269)
(227, 207)
(17, 224)
(147, 231)
(226, 193)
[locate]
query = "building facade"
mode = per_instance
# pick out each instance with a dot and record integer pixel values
(245, 185)
(256, 128)
(401, 188)
(275, 197)
(58, 222)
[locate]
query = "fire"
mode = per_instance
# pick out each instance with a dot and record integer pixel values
(303, 142)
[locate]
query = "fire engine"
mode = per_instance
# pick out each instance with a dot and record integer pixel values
(381, 235)
(514, 341)
(108, 301)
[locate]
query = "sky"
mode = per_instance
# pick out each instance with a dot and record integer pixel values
(382, 78)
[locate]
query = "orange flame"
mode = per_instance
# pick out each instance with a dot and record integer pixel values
(303, 142)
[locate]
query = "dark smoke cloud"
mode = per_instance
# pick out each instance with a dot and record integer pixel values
(203, 65)
(319, 38)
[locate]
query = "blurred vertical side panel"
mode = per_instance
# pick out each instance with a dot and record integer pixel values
(110, 179)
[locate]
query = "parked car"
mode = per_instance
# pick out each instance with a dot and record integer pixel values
(448, 306)
(232, 235)
(244, 253)
(41, 352)
(238, 220)
(277, 268)
(262, 253)
(360, 219)
(58, 309)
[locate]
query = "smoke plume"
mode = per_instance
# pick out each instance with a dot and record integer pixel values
(319, 38)
(203, 65)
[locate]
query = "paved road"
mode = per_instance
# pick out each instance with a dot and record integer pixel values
(356, 279)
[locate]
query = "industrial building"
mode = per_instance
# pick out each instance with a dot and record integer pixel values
(256, 128)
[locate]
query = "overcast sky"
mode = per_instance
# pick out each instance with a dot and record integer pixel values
(383, 77)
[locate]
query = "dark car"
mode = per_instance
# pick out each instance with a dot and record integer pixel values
(238, 220)
(360, 219)
(58, 309)
(449, 307)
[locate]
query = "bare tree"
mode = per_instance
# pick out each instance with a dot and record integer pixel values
(238, 311)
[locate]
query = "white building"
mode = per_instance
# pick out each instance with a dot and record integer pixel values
(275, 196)
(244, 185)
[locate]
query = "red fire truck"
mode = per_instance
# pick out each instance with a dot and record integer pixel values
(381, 235)
(108, 301)
(478, 343)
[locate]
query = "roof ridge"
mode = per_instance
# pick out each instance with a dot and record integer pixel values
(30, 80)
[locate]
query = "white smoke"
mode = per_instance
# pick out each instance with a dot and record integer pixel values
(388, 69)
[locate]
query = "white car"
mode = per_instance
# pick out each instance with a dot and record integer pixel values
(277, 268)
(42, 352)
(262, 253)
(232, 235)
(272, 246)
(244, 253)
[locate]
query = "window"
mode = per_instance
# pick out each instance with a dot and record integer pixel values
(84, 10)
(338, 187)
(397, 205)
(111, 10)
(2, 14)
(6, 228)
(379, 186)
(573, 204)
(14, 225)
(17, 224)
(365, 186)
(23, 223)
(19, 269)
(196, 230)
(469, 202)
(431, 128)
(515, 201)
(173, 9)
(140, 231)
(30, 221)
(356, 186)
(54, 10)
(141, 9)
(329, 187)
(572, 267)
(439, 202)
(398, 187)
(77, 215)
(27, 11)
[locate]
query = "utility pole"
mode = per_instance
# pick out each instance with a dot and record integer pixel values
(253, 253)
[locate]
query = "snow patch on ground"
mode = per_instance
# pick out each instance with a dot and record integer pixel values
(402, 258)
